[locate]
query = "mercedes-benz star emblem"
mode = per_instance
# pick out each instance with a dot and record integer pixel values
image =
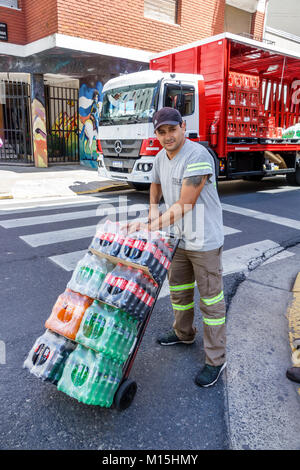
(118, 146)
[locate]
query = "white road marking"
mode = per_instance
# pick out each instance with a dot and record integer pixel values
(237, 259)
(68, 261)
(275, 219)
(281, 189)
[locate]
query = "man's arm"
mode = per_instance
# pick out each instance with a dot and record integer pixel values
(155, 197)
(190, 191)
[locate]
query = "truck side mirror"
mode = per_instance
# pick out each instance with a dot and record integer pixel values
(180, 103)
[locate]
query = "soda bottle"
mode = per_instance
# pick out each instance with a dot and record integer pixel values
(48, 355)
(118, 336)
(67, 313)
(92, 325)
(116, 245)
(90, 377)
(101, 268)
(137, 249)
(125, 252)
(148, 253)
(129, 299)
(122, 276)
(107, 286)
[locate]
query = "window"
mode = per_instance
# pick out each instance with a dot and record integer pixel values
(9, 3)
(172, 98)
(129, 104)
(237, 21)
(161, 10)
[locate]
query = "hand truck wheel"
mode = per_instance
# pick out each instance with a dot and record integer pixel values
(125, 394)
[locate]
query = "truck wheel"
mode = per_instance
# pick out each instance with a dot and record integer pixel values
(291, 179)
(297, 175)
(140, 186)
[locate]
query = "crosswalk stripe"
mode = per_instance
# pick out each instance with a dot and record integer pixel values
(47, 219)
(103, 210)
(68, 261)
(58, 236)
(60, 205)
(237, 259)
(275, 219)
(65, 235)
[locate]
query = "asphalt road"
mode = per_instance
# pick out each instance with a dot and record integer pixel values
(169, 411)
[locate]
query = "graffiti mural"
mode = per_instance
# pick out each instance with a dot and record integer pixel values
(39, 121)
(90, 102)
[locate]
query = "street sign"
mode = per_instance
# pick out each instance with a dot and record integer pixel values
(3, 32)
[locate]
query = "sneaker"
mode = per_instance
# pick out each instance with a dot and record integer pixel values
(171, 338)
(293, 373)
(209, 375)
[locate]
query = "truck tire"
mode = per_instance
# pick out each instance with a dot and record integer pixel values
(291, 179)
(140, 186)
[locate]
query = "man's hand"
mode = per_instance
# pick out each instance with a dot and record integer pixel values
(135, 226)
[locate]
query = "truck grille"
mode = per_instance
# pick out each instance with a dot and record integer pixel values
(127, 164)
(128, 148)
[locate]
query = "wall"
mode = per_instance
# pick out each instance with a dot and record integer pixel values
(123, 23)
(15, 20)
(41, 18)
(114, 22)
(284, 16)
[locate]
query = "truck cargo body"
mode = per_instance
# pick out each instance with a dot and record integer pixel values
(246, 93)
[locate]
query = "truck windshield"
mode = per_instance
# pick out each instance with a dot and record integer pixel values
(130, 104)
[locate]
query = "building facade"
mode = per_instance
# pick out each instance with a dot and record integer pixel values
(56, 56)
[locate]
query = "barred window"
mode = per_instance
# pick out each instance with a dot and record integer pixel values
(161, 10)
(9, 3)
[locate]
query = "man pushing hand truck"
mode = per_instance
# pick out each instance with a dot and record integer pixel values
(184, 174)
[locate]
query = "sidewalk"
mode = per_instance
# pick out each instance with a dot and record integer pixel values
(19, 182)
(263, 404)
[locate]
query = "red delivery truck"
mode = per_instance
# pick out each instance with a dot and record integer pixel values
(239, 97)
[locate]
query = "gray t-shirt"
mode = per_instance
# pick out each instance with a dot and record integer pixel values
(201, 229)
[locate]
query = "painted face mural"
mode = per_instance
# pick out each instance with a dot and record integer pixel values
(90, 102)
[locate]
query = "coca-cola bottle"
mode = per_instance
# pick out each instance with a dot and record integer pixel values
(127, 246)
(116, 245)
(129, 301)
(147, 298)
(122, 276)
(107, 287)
(137, 249)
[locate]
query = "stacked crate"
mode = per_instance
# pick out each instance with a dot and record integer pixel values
(245, 115)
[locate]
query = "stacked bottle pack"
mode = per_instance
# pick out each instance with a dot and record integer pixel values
(95, 322)
(245, 114)
(153, 250)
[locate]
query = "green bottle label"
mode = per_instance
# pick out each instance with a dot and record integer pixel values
(79, 374)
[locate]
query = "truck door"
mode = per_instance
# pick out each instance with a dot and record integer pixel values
(182, 97)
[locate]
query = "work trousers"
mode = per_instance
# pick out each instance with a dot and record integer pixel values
(204, 267)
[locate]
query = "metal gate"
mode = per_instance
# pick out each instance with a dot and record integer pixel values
(62, 124)
(15, 123)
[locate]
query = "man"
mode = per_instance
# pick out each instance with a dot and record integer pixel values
(183, 173)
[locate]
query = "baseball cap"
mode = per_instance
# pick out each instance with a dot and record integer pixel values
(166, 115)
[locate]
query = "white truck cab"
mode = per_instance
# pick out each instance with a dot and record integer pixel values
(126, 140)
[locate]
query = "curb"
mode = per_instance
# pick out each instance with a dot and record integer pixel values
(110, 187)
